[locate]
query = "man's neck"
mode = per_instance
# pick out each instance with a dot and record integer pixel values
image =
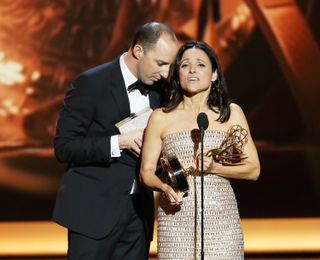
(131, 62)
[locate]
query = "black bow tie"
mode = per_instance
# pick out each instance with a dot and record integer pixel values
(144, 89)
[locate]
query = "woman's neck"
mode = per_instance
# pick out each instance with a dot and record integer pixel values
(196, 103)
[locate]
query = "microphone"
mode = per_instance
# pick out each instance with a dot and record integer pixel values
(203, 124)
(202, 121)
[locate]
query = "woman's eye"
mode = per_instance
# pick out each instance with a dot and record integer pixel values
(184, 65)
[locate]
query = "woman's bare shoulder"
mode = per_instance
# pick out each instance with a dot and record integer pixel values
(235, 110)
(158, 113)
(158, 116)
(237, 115)
(235, 107)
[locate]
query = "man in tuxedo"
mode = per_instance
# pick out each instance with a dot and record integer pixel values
(109, 215)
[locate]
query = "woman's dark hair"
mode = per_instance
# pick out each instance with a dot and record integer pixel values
(218, 100)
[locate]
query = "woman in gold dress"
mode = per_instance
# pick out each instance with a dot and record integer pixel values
(197, 85)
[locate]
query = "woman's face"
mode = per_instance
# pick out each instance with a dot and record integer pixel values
(195, 71)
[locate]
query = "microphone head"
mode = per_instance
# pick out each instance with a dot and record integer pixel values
(202, 121)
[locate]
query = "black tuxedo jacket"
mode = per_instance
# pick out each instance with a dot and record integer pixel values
(95, 187)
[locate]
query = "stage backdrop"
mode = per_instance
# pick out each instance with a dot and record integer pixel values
(269, 51)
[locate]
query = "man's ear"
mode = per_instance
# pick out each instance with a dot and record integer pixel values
(214, 75)
(138, 51)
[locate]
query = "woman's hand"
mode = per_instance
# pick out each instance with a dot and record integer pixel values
(208, 163)
(175, 198)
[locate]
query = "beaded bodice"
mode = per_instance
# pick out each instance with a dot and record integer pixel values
(185, 144)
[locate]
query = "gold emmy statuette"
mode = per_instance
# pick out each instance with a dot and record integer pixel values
(230, 152)
(174, 174)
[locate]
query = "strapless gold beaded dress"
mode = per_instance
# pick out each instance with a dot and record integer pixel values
(179, 226)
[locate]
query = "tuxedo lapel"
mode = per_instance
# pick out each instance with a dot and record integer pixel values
(154, 99)
(119, 91)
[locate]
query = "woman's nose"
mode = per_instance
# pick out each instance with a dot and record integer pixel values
(192, 69)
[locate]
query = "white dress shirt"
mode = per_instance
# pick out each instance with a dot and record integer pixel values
(137, 103)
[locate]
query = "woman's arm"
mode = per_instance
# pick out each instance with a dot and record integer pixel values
(151, 151)
(249, 167)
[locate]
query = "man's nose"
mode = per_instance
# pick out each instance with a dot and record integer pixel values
(164, 73)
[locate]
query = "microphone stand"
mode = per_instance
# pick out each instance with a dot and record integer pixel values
(203, 124)
(202, 197)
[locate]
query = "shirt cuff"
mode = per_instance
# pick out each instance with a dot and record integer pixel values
(114, 144)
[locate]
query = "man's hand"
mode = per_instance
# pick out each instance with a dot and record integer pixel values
(132, 141)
